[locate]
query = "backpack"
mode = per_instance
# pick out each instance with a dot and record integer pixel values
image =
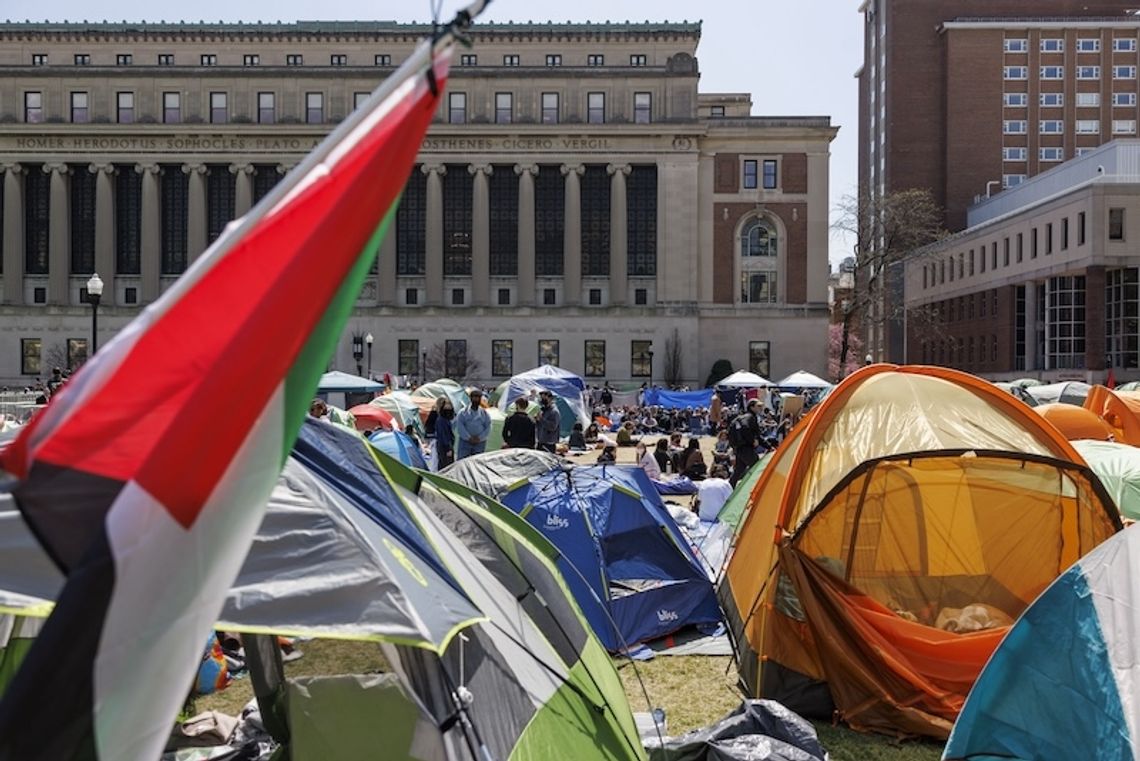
(740, 431)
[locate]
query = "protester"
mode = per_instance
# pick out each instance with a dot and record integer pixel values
(548, 423)
(625, 435)
(445, 436)
(693, 463)
(744, 435)
(518, 429)
(577, 441)
(317, 409)
(472, 427)
(592, 434)
(661, 455)
(712, 493)
(646, 462)
(608, 456)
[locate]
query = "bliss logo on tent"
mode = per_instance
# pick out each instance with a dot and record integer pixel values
(553, 521)
(667, 615)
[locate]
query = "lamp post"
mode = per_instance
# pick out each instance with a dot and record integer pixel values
(94, 295)
(358, 352)
(651, 368)
(423, 370)
(368, 339)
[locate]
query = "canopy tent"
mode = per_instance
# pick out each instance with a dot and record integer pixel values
(336, 381)
(496, 472)
(357, 546)
(1118, 468)
(625, 560)
(1075, 422)
(1066, 392)
(1120, 409)
(744, 379)
(804, 379)
(1063, 683)
(371, 416)
(677, 400)
(400, 446)
(909, 495)
(568, 390)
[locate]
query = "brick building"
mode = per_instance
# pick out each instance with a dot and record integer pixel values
(577, 200)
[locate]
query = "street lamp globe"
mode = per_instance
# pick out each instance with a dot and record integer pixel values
(94, 295)
(95, 288)
(368, 339)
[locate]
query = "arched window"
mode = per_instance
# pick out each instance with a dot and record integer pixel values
(759, 263)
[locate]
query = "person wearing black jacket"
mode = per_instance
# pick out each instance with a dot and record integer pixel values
(518, 429)
(744, 435)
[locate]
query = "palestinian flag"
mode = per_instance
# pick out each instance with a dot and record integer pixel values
(146, 477)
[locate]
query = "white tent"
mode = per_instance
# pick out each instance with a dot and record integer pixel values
(345, 382)
(804, 379)
(745, 379)
(1066, 392)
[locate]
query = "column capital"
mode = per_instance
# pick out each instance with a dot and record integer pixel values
(13, 168)
(241, 168)
(58, 168)
(194, 169)
(485, 169)
(440, 169)
(577, 169)
(531, 169)
(616, 168)
(148, 168)
(108, 169)
(284, 168)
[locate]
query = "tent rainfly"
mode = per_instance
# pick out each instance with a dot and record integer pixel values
(744, 379)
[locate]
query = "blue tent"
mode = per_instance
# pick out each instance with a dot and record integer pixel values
(623, 557)
(401, 446)
(568, 390)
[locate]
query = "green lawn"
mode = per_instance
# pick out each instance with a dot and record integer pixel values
(693, 690)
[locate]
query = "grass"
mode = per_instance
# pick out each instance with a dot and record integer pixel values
(694, 691)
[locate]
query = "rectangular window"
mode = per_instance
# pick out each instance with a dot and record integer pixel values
(770, 177)
(39, 59)
(1015, 127)
(504, 107)
(457, 108)
(1015, 72)
(411, 296)
(1088, 126)
(642, 107)
(1052, 72)
(382, 59)
(511, 59)
(1080, 228)
(595, 359)
(79, 112)
(208, 59)
(550, 108)
(294, 59)
(1052, 127)
(1124, 126)
(1124, 45)
(30, 352)
(171, 107)
(1124, 99)
(502, 357)
(1088, 100)
(1088, 72)
(1124, 72)
(1088, 45)
(314, 107)
(640, 358)
(455, 358)
(1012, 180)
(338, 59)
(76, 352)
(760, 357)
(504, 297)
(408, 357)
(1048, 238)
(251, 59)
(638, 59)
(1015, 99)
(358, 99)
(548, 351)
(125, 107)
(1005, 252)
(1116, 224)
(554, 60)
(596, 107)
(124, 59)
(595, 59)
(640, 297)
(82, 59)
(751, 174)
(1020, 247)
(1052, 45)
(468, 59)
(34, 107)
(458, 297)
(549, 297)
(165, 59)
(266, 108)
(1016, 45)
(219, 108)
(1052, 154)
(1049, 99)
(595, 298)
(716, 112)
(1033, 243)
(1014, 154)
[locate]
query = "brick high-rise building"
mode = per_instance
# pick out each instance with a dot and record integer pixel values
(967, 97)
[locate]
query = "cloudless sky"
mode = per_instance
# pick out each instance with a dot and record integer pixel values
(796, 57)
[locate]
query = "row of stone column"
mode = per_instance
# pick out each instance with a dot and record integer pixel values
(59, 238)
(480, 236)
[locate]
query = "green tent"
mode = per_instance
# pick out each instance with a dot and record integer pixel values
(736, 508)
(1118, 468)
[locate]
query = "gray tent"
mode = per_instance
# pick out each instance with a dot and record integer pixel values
(494, 473)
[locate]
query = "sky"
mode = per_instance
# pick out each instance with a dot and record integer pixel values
(796, 57)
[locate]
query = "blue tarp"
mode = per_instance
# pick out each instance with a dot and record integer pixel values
(623, 556)
(656, 397)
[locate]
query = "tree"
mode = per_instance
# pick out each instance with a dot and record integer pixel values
(886, 230)
(450, 360)
(672, 366)
(834, 344)
(721, 369)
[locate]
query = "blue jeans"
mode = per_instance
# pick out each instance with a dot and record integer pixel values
(466, 449)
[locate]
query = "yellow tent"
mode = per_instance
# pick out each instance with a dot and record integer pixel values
(893, 538)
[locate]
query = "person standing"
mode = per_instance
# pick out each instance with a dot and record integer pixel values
(473, 426)
(716, 412)
(548, 423)
(518, 430)
(445, 436)
(744, 436)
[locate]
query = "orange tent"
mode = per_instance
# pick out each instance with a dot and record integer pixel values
(1076, 422)
(1120, 409)
(893, 538)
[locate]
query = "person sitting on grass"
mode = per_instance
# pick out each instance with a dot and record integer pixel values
(608, 456)
(693, 462)
(577, 441)
(646, 462)
(591, 435)
(625, 435)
